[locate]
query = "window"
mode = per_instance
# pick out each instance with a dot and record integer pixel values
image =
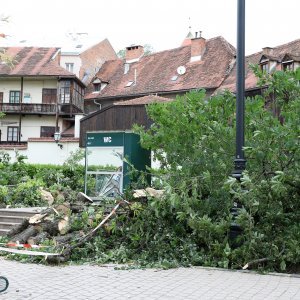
(288, 66)
(14, 96)
(49, 96)
(48, 131)
(65, 92)
(129, 84)
(70, 67)
(12, 134)
(97, 87)
(265, 67)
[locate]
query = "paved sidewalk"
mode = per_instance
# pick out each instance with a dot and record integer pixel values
(86, 282)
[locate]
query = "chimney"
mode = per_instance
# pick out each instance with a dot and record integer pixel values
(188, 40)
(134, 53)
(267, 50)
(198, 47)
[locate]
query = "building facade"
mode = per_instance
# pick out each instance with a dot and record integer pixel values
(38, 99)
(84, 61)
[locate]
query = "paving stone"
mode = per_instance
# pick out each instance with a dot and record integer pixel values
(90, 282)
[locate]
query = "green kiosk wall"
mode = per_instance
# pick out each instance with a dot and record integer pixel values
(106, 172)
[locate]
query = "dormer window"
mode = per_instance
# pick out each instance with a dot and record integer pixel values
(268, 63)
(97, 85)
(290, 62)
(265, 67)
(288, 66)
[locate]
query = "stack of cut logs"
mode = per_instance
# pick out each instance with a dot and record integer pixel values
(54, 223)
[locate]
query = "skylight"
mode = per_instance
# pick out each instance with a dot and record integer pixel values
(174, 78)
(129, 84)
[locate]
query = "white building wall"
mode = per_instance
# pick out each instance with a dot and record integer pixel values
(46, 152)
(30, 125)
(75, 59)
(77, 125)
(33, 87)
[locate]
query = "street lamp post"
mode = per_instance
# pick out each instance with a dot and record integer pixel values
(240, 161)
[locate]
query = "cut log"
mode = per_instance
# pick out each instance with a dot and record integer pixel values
(63, 208)
(82, 197)
(37, 218)
(62, 239)
(63, 225)
(18, 228)
(39, 238)
(67, 248)
(46, 197)
(148, 192)
(77, 207)
(23, 236)
(49, 226)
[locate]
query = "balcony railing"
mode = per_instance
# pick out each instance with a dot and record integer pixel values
(38, 108)
(28, 108)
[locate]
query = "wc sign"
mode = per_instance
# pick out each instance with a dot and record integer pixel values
(107, 139)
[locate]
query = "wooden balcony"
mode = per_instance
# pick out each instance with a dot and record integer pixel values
(38, 108)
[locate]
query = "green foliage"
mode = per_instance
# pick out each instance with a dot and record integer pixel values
(28, 193)
(20, 182)
(194, 139)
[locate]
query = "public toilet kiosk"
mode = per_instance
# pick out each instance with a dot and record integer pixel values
(108, 157)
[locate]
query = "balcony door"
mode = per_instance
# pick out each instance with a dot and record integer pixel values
(49, 96)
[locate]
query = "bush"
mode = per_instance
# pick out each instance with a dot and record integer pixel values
(28, 194)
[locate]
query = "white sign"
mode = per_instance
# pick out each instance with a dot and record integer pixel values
(107, 139)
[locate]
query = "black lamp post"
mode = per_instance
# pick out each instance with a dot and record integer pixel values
(240, 161)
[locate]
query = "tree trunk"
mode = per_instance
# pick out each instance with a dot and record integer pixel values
(18, 228)
(36, 240)
(23, 236)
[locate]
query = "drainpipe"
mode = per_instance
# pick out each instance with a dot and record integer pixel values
(57, 106)
(20, 115)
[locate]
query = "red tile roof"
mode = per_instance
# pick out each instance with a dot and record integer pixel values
(143, 100)
(250, 80)
(33, 61)
(154, 72)
(13, 147)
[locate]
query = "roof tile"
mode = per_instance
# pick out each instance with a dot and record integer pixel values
(153, 73)
(291, 48)
(33, 61)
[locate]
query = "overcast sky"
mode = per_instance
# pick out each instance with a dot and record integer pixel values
(160, 23)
